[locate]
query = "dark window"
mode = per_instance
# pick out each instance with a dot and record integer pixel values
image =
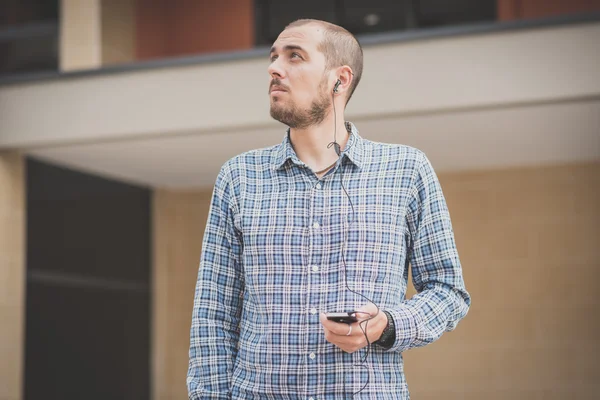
(83, 224)
(431, 13)
(86, 343)
(29, 54)
(28, 36)
(24, 12)
(361, 16)
(372, 16)
(88, 286)
(275, 15)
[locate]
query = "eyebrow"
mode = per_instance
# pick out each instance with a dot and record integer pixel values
(288, 48)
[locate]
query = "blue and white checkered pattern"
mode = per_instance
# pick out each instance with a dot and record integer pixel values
(271, 262)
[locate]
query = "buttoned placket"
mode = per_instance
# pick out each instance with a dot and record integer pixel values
(315, 257)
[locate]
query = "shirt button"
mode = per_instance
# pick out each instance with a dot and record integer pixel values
(312, 356)
(318, 186)
(315, 268)
(313, 311)
(316, 225)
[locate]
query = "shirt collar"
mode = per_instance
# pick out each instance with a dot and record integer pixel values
(353, 150)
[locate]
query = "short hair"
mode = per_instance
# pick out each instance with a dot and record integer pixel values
(340, 47)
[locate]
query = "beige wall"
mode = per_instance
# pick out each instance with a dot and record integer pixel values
(529, 243)
(12, 274)
(528, 240)
(179, 219)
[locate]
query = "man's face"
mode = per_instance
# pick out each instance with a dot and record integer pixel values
(298, 82)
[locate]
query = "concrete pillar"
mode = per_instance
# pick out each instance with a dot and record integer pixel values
(96, 33)
(179, 218)
(80, 35)
(12, 274)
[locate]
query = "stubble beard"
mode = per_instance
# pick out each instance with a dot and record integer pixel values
(297, 118)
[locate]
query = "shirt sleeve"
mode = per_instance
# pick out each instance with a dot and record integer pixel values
(217, 302)
(441, 300)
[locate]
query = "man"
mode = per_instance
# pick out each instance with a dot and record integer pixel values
(296, 231)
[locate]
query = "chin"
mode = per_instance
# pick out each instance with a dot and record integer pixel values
(277, 107)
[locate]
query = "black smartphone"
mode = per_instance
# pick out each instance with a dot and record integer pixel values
(342, 317)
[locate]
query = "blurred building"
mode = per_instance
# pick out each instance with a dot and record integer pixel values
(116, 115)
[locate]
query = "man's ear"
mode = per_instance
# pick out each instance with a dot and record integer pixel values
(343, 80)
(336, 87)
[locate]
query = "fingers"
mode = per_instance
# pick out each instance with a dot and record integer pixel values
(340, 329)
(349, 344)
(366, 312)
(351, 337)
(337, 334)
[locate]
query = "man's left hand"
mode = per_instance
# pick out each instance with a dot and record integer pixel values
(337, 333)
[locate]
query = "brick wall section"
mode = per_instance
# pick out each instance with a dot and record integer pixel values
(530, 9)
(168, 28)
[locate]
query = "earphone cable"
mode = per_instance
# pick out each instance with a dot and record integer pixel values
(343, 251)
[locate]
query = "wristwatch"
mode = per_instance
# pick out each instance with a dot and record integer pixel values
(388, 336)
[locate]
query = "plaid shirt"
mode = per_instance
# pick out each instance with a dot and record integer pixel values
(271, 262)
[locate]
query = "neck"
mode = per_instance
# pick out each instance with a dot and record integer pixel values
(310, 144)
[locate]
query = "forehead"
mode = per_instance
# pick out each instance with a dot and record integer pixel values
(307, 36)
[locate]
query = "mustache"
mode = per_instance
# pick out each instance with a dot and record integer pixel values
(277, 82)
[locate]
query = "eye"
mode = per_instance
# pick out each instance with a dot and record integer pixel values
(296, 55)
(273, 58)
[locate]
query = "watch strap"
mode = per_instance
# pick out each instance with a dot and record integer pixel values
(388, 336)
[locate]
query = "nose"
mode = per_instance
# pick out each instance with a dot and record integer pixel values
(275, 70)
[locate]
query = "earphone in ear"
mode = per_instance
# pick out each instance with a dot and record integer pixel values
(335, 144)
(337, 85)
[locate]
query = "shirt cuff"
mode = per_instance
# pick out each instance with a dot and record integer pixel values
(405, 321)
